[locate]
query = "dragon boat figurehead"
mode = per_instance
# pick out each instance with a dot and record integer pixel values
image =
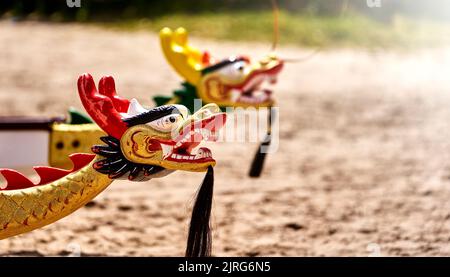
(147, 143)
(235, 81)
(140, 144)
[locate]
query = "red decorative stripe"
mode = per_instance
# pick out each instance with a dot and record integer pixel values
(16, 180)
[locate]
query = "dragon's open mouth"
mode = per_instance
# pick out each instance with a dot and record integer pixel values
(255, 91)
(183, 147)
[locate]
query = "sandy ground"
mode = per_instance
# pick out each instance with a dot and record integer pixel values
(363, 166)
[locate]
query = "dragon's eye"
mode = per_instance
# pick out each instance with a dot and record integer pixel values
(234, 70)
(239, 66)
(172, 119)
(166, 123)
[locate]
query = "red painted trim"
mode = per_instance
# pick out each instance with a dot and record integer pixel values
(16, 180)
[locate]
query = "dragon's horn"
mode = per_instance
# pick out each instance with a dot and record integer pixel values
(100, 107)
(107, 87)
(186, 60)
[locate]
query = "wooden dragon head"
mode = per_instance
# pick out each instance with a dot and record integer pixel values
(231, 82)
(140, 144)
(143, 144)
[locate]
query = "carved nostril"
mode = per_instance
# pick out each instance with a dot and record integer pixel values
(60, 145)
(76, 143)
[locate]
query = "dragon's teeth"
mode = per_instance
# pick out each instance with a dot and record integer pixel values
(167, 149)
(199, 154)
(174, 156)
(235, 95)
(203, 153)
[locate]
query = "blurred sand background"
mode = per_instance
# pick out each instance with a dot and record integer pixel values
(363, 166)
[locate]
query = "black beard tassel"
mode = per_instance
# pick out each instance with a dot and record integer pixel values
(199, 238)
(258, 161)
(260, 156)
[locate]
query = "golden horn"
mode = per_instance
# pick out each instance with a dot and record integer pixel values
(186, 60)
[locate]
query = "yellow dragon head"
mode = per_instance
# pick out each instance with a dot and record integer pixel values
(234, 81)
